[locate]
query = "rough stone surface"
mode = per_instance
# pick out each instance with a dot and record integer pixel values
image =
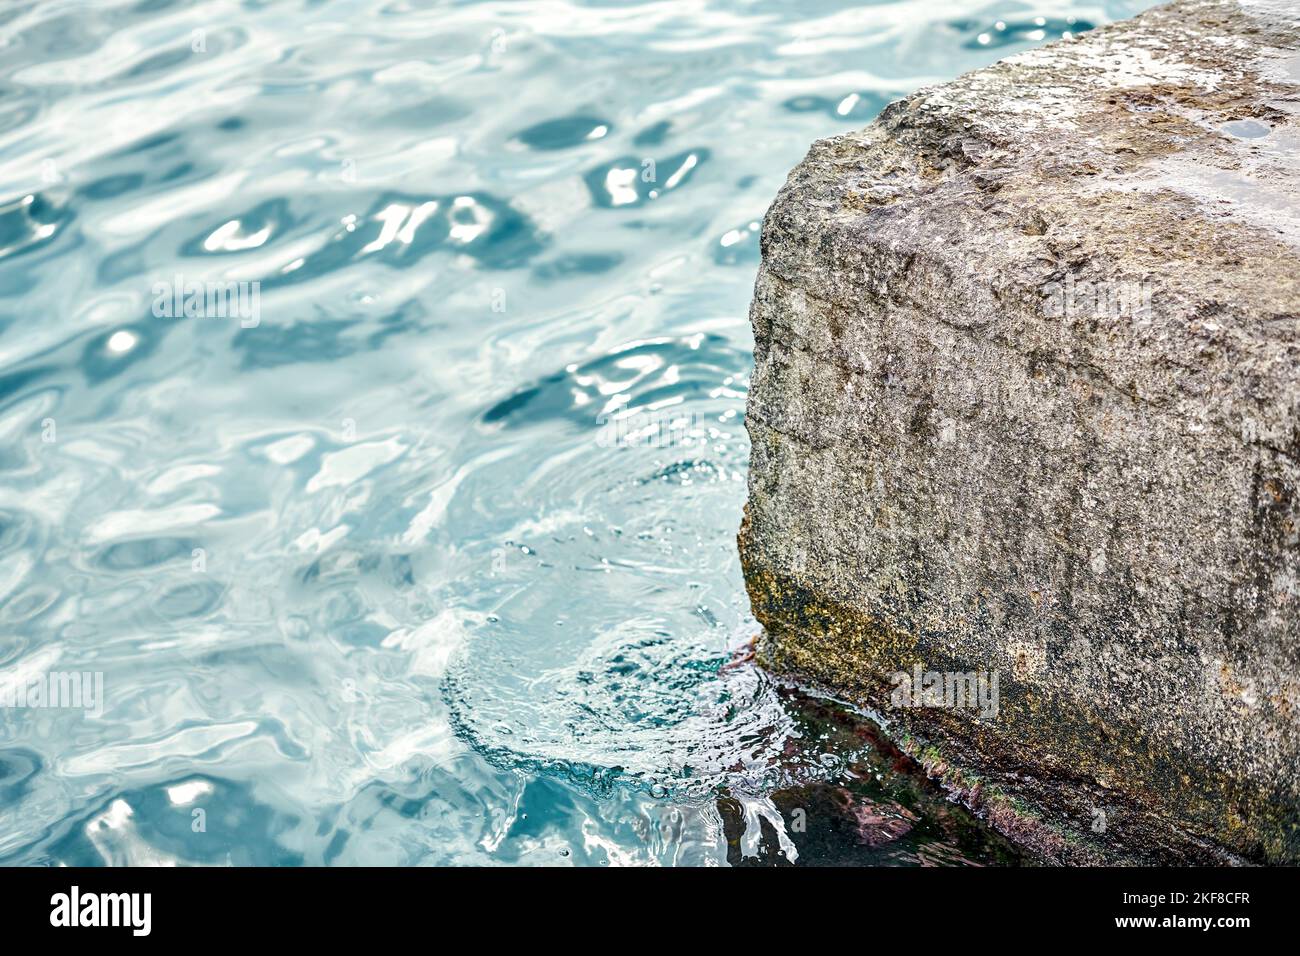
(957, 463)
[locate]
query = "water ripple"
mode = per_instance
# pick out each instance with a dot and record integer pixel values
(371, 389)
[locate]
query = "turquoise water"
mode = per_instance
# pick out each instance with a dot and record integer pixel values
(421, 550)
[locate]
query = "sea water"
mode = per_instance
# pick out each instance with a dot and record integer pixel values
(372, 382)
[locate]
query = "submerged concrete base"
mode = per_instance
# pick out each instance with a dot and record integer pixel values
(1025, 407)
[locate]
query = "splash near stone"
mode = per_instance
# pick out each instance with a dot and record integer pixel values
(1027, 373)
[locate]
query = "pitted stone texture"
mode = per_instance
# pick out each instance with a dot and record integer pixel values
(962, 461)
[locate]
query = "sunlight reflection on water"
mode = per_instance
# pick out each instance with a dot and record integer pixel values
(434, 561)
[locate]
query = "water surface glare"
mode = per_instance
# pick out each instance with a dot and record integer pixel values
(372, 378)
